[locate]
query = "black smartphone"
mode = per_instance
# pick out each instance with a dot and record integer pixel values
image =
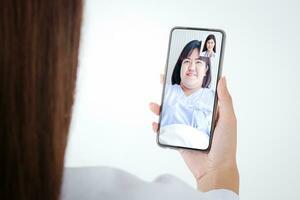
(189, 98)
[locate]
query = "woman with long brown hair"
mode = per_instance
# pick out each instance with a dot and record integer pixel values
(39, 42)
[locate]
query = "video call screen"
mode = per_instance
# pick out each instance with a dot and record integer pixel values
(190, 88)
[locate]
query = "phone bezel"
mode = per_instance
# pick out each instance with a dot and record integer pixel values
(215, 98)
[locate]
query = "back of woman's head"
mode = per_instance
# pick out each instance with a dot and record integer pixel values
(39, 42)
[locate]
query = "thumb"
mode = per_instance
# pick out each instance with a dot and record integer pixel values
(225, 101)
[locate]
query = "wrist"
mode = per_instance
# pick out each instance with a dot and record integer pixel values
(221, 178)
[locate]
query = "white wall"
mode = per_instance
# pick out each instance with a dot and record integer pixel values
(123, 51)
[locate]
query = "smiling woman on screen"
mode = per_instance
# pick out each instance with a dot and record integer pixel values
(188, 101)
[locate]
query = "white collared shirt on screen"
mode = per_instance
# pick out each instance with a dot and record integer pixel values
(194, 110)
(205, 54)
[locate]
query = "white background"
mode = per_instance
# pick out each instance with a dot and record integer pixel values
(123, 51)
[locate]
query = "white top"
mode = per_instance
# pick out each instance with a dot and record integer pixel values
(205, 53)
(93, 183)
(194, 110)
(186, 120)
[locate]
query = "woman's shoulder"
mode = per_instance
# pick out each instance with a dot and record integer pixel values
(96, 182)
(91, 183)
(111, 176)
(112, 183)
(203, 53)
(204, 98)
(209, 92)
(104, 176)
(172, 89)
(206, 94)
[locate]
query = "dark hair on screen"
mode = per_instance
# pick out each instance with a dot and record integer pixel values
(186, 52)
(38, 67)
(209, 37)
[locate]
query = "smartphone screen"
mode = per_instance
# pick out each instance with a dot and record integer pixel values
(189, 96)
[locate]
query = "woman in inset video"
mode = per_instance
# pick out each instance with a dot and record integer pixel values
(209, 49)
(188, 101)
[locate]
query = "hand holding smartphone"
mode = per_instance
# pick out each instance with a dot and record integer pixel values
(189, 97)
(217, 168)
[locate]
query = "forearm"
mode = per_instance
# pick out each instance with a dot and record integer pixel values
(220, 179)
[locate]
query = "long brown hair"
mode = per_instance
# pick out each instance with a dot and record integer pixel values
(39, 41)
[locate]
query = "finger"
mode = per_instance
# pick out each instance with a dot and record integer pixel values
(155, 108)
(155, 127)
(225, 101)
(162, 78)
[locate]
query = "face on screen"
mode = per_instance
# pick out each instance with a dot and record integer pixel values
(192, 71)
(189, 90)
